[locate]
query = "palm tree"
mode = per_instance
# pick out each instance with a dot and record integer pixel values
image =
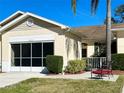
(94, 4)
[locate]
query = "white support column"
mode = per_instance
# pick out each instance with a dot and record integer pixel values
(90, 49)
(80, 49)
(120, 42)
(120, 45)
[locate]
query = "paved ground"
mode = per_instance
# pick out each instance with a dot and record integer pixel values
(123, 90)
(86, 76)
(15, 77)
(10, 78)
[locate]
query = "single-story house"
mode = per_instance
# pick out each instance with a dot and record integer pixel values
(26, 39)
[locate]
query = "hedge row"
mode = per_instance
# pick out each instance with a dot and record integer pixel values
(55, 64)
(118, 61)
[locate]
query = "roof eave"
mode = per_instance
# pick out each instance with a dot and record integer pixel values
(13, 15)
(47, 20)
(117, 29)
(63, 27)
(12, 23)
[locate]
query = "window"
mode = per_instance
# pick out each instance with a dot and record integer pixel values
(16, 62)
(26, 61)
(15, 55)
(47, 49)
(100, 49)
(26, 50)
(16, 50)
(37, 50)
(114, 47)
(84, 50)
(31, 54)
(36, 62)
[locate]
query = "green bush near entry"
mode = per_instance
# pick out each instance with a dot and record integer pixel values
(118, 61)
(54, 63)
(75, 66)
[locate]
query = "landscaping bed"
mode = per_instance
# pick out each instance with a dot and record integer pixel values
(41, 85)
(66, 73)
(118, 72)
(115, 72)
(80, 72)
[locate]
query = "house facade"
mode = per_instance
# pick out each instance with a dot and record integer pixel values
(26, 39)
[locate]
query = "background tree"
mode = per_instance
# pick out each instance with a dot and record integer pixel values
(94, 5)
(119, 14)
(113, 20)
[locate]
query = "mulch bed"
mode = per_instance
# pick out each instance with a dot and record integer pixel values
(118, 72)
(81, 72)
(115, 72)
(67, 73)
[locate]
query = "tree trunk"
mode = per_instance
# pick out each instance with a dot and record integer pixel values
(108, 33)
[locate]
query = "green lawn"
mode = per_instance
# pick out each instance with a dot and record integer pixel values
(41, 85)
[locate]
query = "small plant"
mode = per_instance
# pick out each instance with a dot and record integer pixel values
(118, 61)
(75, 66)
(54, 64)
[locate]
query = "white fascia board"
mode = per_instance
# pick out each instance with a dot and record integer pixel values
(12, 22)
(18, 12)
(118, 29)
(33, 38)
(33, 15)
(47, 20)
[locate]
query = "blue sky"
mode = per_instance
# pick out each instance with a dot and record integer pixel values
(59, 10)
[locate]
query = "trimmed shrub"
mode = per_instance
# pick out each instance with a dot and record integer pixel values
(118, 61)
(75, 66)
(84, 63)
(54, 64)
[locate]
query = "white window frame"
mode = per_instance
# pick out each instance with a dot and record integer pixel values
(42, 65)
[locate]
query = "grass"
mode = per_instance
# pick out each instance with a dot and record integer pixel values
(41, 85)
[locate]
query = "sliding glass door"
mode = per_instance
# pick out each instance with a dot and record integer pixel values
(31, 54)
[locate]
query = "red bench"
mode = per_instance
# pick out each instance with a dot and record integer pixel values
(102, 72)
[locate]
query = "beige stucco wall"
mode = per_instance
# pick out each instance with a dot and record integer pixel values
(73, 46)
(120, 42)
(39, 28)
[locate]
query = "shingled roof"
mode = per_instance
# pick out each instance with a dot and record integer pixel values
(96, 33)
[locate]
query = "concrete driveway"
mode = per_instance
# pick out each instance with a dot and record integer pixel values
(10, 78)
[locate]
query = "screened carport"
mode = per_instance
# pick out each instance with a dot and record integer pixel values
(28, 55)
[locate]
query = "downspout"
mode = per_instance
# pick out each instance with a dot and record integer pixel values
(1, 51)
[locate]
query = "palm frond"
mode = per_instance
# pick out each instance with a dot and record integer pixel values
(73, 5)
(94, 5)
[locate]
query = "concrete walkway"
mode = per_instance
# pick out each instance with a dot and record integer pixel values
(123, 89)
(86, 76)
(10, 78)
